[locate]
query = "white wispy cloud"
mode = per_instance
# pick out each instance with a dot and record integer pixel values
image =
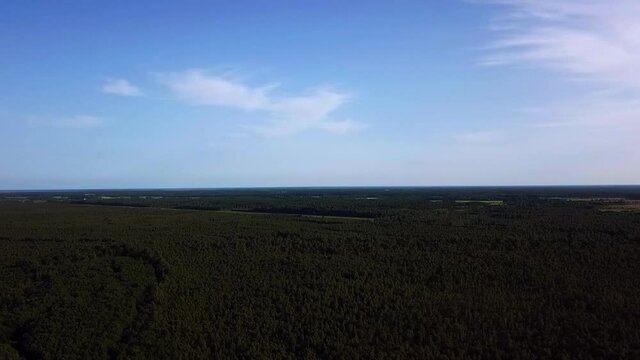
(288, 114)
(71, 122)
(597, 40)
(593, 129)
(594, 40)
(121, 87)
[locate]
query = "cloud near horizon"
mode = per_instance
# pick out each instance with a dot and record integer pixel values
(121, 87)
(312, 109)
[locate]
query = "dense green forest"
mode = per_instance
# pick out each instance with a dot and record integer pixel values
(345, 273)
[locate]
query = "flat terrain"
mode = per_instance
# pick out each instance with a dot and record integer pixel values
(320, 273)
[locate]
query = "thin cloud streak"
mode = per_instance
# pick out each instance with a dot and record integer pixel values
(121, 87)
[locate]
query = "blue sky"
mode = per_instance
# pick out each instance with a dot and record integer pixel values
(119, 94)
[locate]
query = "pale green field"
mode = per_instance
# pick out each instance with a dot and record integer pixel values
(486, 202)
(630, 206)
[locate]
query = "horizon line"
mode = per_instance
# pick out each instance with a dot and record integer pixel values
(318, 187)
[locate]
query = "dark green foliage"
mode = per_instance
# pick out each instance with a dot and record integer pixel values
(70, 298)
(533, 278)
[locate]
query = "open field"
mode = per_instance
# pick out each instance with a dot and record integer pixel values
(631, 206)
(484, 202)
(328, 217)
(531, 278)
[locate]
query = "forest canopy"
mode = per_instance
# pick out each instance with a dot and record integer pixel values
(321, 273)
